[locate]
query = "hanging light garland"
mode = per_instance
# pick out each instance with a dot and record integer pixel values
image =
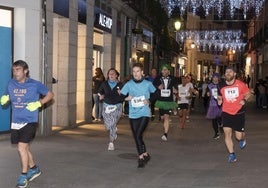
(213, 40)
(219, 6)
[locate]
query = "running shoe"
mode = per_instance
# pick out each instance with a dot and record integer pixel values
(141, 163)
(242, 144)
(164, 138)
(33, 173)
(147, 158)
(22, 181)
(231, 158)
(187, 119)
(111, 146)
(216, 136)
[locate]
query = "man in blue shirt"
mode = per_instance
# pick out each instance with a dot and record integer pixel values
(23, 93)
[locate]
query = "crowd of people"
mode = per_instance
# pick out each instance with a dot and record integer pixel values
(137, 97)
(223, 96)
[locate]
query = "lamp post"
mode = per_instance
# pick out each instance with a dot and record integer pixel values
(177, 26)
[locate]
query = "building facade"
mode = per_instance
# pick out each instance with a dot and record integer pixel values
(64, 41)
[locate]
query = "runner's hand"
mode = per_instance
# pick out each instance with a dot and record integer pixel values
(4, 99)
(32, 106)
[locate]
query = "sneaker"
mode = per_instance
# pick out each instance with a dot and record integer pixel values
(187, 119)
(164, 138)
(231, 158)
(147, 158)
(22, 181)
(141, 163)
(216, 136)
(33, 173)
(242, 144)
(111, 146)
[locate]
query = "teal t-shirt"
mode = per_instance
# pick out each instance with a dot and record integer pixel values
(139, 92)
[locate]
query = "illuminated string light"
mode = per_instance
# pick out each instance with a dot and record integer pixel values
(213, 40)
(218, 6)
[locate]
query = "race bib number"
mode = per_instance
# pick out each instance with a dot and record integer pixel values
(183, 94)
(165, 92)
(110, 108)
(137, 101)
(214, 92)
(231, 93)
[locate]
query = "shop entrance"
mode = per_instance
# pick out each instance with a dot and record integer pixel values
(98, 58)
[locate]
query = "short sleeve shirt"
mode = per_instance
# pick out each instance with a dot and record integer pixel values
(139, 92)
(232, 95)
(20, 95)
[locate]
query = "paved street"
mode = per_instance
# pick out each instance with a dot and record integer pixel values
(78, 158)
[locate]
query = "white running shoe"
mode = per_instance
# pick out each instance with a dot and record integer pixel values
(164, 138)
(111, 146)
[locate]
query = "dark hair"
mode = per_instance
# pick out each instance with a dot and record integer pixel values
(23, 64)
(231, 68)
(140, 65)
(113, 69)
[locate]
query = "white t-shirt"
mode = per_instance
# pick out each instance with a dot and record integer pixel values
(183, 92)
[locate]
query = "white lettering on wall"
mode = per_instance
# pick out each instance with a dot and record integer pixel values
(105, 21)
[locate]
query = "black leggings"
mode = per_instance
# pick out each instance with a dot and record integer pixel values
(215, 124)
(138, 126)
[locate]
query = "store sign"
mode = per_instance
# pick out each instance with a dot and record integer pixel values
(104, 22)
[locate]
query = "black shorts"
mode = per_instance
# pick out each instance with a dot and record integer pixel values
(183, 106)
(26, 134)
(163, 112)
(236, 122)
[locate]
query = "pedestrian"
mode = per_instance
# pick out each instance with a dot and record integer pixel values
(214, 110)
(184, 95)
(23, 94)
(138, 90)
(189, 82)
(262, 91)
(233, 97)
(205, 98)
(112, 104)
(167, 87)
(97, 80)
(151, 78)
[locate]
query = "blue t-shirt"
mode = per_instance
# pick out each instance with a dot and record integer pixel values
(20, 95)
(138, 91)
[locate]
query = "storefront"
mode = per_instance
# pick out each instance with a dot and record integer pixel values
(142, 48)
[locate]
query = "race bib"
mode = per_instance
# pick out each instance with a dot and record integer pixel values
(165, 92)
(231, 93)
(183, 94)
(137, 101)
(17, 126)
(214, 92)
(110, 108)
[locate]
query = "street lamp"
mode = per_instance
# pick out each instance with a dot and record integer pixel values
(177, 25)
